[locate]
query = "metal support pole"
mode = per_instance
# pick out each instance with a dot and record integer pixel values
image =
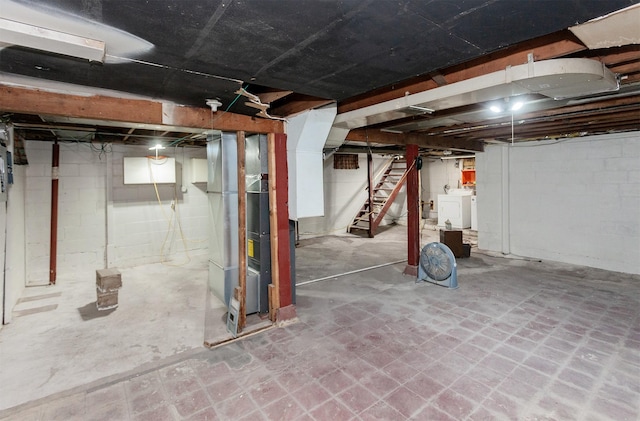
(242, 230)
(370, 182)
(55, 160)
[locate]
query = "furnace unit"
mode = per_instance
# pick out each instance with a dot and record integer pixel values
(258, 232)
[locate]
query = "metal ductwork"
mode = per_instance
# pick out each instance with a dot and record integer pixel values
(559, 79)
(306, 136)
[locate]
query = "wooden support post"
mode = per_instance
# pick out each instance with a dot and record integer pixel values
(279, 221)
(274, 299)
(413, 212)
(370, 180)
(242, 230)
(273, 293)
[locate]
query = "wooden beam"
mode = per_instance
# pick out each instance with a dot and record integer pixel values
(279, 223)
(131, 130)
(627, 68)
(133, 111)
(295, 107)
(543, 48)
(269, 97)
(616, 55)
(421, 140)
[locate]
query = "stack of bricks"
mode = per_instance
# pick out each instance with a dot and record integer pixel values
(108, 282)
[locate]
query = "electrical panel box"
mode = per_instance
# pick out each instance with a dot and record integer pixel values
(4, 178)
(149, 170)
(4, 174)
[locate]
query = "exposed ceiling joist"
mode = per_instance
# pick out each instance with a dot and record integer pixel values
(422, 140)
(297, 106)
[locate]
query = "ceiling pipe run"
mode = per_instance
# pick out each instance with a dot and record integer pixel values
(558, 79)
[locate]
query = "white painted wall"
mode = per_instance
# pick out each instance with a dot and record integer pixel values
(37, 212)
(435, 174)
(142, 230)
(15, 263)
(92, 193)
(575, 201)
(12, 226)
(344, 194)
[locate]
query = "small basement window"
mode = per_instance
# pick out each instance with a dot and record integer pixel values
(344, 161)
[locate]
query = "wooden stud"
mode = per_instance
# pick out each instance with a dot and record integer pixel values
(278, 174)
(273, 293)
(242, 229)
(274, 302)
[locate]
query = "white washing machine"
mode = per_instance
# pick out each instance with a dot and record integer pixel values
(455, 207)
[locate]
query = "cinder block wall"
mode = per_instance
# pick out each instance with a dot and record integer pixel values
(141, 230)
(344, 193)
(96, 208)
(575, 201)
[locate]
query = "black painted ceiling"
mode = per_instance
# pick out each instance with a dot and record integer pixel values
(323, 48)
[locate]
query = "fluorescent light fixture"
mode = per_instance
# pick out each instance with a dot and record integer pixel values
(496, 108)
(457, 157)
(517, 105)
(29, 36)
(420, 108)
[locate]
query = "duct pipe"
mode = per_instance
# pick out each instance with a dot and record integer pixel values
(558, 79)
(306, 137)
(55, 159)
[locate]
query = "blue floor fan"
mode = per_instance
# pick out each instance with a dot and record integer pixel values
(438, 266)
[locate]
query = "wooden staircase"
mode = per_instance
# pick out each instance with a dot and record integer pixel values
(381, 197)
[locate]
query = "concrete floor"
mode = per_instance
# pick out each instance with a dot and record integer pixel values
(58, 340)
(519, 340)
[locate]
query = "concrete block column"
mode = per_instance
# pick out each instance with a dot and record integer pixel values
(108, 282)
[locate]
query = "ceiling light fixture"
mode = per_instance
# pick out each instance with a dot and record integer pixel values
(500, 108)
(157, 147)
(504, 106)
(517, 105)
(214, 104)
(29, 36)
